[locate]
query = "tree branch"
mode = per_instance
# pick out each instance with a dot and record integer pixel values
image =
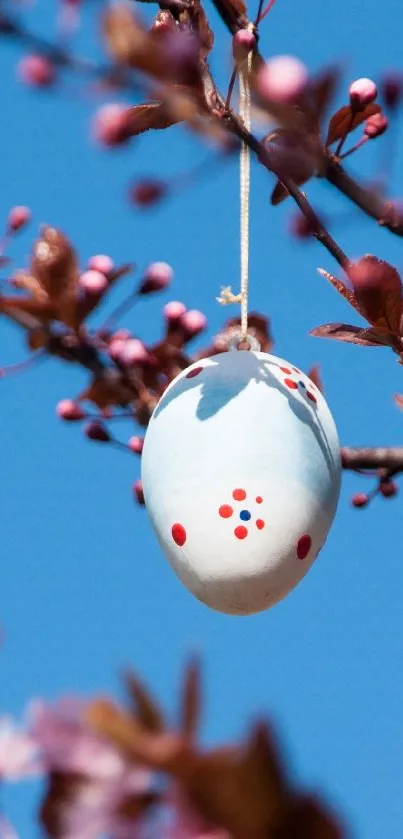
(367, 200)
(389, 458)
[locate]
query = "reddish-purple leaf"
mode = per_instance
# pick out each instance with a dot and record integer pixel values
(323, 89)
(341, 288)
(378, 292)
(349, 334)
(315, 377)
(344, 121)
(149, 116)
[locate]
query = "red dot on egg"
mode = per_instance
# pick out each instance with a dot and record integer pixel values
(296, 370)
(241, 532)
(311, 396)
(239, 494)
(285, 370)
(290, 383)
(179, 534)
(260, 524)
(225, 511)
(304, 546)
(259, 499)
(194, 372)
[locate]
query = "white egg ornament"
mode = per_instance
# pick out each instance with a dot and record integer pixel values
(241, 477)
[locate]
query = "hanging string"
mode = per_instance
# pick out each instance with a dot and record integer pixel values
(244, 188)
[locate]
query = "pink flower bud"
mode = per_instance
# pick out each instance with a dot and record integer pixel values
(133, 352)
(147, 192)
(115, 349)
(193, 322)
(102, 263)
(93, 282)
(375, 126)
(282, 80)
(69, 410)
(388, 489)
(242, 43)
(97, 431)
(18, 217)
(360, 499)
(174, 310)
(136, 444)
(300, 226)
(36, 71)
(122, 334)
(111, 125)
(138, 492)
(157, 277)
(392, 89)
(362, 92)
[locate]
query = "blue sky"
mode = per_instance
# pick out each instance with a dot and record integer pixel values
(84, 587)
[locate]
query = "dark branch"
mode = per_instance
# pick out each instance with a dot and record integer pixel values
(389, 458)
(368, 200)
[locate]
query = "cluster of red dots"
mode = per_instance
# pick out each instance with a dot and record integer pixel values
(293, 384)
(226, 511)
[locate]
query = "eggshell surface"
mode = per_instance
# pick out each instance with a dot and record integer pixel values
(241, 477)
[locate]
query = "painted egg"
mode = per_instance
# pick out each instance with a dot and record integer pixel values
(241, 477)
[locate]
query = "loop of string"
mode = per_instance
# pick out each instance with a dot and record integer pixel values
(244, 189)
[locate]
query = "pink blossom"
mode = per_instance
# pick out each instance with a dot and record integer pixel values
(174, 310)
(111, 125)
(282, 79)
(36, 70)
(193, 321)
(133, 352)
(18, 752)
(67, 744)
(69, 410)
(138, 492)
(375, 126)
(97, 431)
(93, 282)
(102, 263)
(362, 92)
(157, 276)
(18, 217)
(136, 444)
(243, 42)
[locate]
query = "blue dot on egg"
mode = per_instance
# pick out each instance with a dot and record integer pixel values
(302, 384)
(244, 515)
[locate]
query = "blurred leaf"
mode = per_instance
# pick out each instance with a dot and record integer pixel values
(341, 288)
(350, 334)
(144, 706)
(315, 377)
(190, 701)
(323, 89)
(240, 789)
(149, 116)
(343, 121)
(308, 818)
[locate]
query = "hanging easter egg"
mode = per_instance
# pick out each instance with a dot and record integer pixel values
(241, 477)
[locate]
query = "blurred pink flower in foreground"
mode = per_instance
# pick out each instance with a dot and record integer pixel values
(68, 745)
(18, 752)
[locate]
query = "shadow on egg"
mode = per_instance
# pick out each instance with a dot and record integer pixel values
(216, 393)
